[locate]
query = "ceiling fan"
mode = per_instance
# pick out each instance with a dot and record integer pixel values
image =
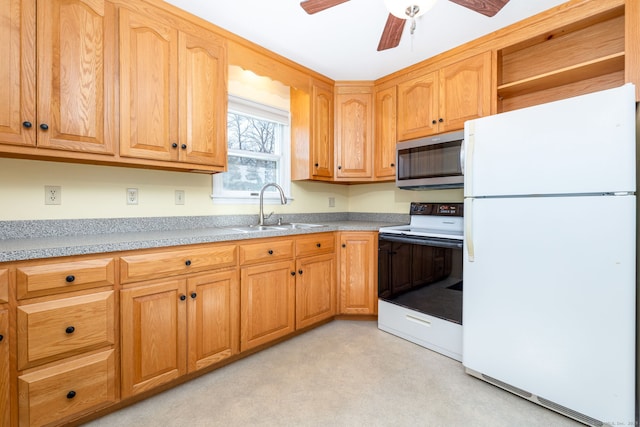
(395, 25)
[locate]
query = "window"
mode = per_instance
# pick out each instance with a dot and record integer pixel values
(258, 152)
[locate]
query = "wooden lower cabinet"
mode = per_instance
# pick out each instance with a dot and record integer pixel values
(358, 266)
(5, 400)
(49, 395)
(177, 326)
(267, 302)
(315, 289)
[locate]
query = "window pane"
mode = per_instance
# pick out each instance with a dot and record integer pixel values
(251, 134)
(246, 174)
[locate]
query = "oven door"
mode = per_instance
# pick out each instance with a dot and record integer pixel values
(421, 273)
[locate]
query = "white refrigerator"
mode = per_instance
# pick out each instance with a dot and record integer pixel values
(549, 272)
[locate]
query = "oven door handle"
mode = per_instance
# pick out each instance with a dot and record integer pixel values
(425, 241)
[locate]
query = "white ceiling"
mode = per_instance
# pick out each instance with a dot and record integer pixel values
(341, 42)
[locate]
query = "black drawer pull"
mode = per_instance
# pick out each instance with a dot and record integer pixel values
(71, 394)
(27, 124)
(393, 165)
(193, 295)
(184, 146)
(70, 278)
(174, 145)
(318, 245)
(293, 273)
(270, 251)
(187, 262)
(1, 337)
(44, 126)
(70, 330)
(183, 297)
(299, 271)
(344, 245)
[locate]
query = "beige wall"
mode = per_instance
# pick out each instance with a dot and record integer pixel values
(90, 191)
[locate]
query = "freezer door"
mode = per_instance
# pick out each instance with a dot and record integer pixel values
(582, 145)
(549, 299)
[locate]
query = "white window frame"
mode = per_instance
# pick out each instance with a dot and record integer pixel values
(271, 196)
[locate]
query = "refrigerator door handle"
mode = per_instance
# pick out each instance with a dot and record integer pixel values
(466, 155)
(462, 157)
(468, 229)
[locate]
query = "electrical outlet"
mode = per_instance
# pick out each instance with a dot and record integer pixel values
(132, 196)
(332, 202)
(179, 197)
(52, 195)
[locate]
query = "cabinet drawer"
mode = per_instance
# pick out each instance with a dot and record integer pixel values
(162, 264)
(4, 285)
(52, 394)
(52, 330)
(46, 279)
(276, 249)
(316, 244)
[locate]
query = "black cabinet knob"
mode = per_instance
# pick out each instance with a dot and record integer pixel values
(433, 122)
(70, 330)
(344, 245)
(316, 165)
(339, 167)
(193, 295)
(27, 124)
(441, 120)
(299, 271)
(293, 273)
(174, 145)
(44, 126)
(71, 394)
(187, 262)
(1, 337)
(318, 245)
(270, 251)
(183, 297)
(393, 165)
(70, 278)
(183, 146)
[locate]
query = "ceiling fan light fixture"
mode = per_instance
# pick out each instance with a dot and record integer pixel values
(408, 9)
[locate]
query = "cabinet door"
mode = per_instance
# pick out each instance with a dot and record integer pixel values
(153, 322)
(465, 91)
(322, 132)
(315, 289)
(267, 298)
(75, 75)
(5, 401)
(358, 286)
(213, 318)
(203, 100)
(18, 69)
(354, 124)
(148, 87)
(385, 135)
(418, 107)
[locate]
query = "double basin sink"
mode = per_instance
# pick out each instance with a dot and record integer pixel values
(277, 227)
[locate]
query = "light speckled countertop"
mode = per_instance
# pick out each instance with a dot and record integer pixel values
(47, 244)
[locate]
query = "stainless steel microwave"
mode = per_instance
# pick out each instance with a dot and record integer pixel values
(431, 162)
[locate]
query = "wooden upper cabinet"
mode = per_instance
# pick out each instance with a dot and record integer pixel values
(354, 132)
(17, 94)
(203, 99)
(322, 132)
(465, 89)
(441, 101)
(72, 91)
(418, 107)
(173, 96)
(385, 134)
(148, 87)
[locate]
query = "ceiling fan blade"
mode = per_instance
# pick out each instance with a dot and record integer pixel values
(314, 6)
(486, 7)
(392, 32)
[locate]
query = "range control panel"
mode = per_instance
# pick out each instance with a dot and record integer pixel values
(438, 209)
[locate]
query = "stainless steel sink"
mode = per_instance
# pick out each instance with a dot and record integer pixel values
(276, 227)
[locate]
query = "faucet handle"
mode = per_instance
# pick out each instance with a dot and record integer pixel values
(268, 216)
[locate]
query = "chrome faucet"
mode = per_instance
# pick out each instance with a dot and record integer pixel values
(283, 200)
